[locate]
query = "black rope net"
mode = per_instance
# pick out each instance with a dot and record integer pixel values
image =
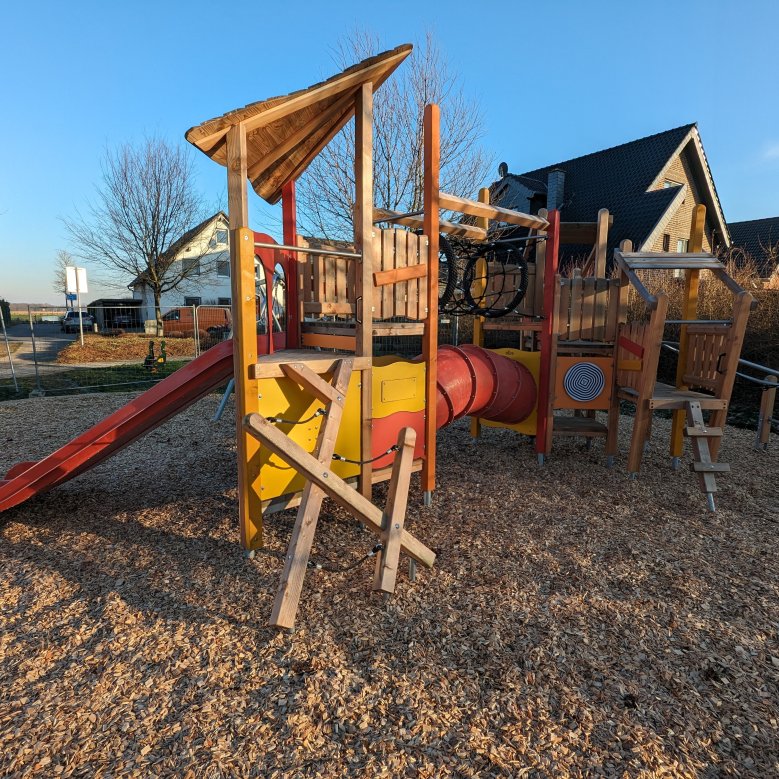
(488, 279)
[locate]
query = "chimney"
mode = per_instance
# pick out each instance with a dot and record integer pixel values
(555, 188)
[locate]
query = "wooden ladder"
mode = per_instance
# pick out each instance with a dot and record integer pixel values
(700, 435)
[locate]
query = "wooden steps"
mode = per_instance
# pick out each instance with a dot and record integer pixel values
(701, 435)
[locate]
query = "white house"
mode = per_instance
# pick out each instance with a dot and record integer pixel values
(206, 249)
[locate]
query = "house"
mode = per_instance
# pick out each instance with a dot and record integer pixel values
(204, 253)
(757, 239)
(650, 186)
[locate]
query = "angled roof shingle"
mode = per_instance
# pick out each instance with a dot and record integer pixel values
(617, 179)
(754, 237)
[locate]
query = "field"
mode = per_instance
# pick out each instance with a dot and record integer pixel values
(576, 623)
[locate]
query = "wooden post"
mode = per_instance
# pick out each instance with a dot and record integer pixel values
(432, 165)
(481, 273)
(386, 571)
(689, 311)
(289, 221)
(545, 390)
(767, 402)
(244, 307)
(364, 243)
(601, 243)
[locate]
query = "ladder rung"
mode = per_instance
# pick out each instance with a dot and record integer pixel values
(710, 467)
(705, 432)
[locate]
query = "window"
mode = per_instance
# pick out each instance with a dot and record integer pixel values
(219, 238)
(223, 301)
(191, 267)
(223, 268)
(668, 183)
(666, 242)
(682, 244)
(193, 301)
(172, 316)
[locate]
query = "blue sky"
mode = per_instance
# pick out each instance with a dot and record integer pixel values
(555, 80)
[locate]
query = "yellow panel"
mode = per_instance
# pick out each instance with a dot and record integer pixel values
(394, 390)
(532, 361)
(398, 385)
(284, 398)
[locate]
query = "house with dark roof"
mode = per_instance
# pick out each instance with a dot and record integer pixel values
(650, 186)
(757, 239)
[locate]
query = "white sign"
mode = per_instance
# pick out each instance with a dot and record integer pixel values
(75, 279)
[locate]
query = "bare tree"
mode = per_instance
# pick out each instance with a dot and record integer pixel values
(62, 261)
(147, 210)
(326, 191)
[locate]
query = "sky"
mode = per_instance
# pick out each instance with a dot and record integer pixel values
(553, 80)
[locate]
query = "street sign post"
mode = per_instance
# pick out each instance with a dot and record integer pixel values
(76, 281)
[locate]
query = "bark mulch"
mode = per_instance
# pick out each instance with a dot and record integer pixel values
(576, 624)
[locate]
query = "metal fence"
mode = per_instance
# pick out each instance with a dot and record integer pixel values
(123, 349)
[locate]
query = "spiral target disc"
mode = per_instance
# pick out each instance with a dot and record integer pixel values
(584, 382)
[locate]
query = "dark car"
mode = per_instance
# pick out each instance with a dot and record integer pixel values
(70, 322)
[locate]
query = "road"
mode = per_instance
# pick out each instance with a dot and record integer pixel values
(49, 340)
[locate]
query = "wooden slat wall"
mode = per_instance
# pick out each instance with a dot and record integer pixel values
(401, 249)
(704, 347)
(327, 283)
(586, 310)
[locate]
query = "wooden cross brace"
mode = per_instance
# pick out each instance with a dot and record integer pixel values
(315, 468)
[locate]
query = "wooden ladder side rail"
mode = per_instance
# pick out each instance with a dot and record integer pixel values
(334, 486)
(285, 605)
(394, 518)
(733, 344)
(689, 311)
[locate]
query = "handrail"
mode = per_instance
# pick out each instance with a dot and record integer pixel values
(308, 250)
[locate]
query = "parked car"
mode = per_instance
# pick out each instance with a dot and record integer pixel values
(124, 320)
(70, 322)
(215, 322)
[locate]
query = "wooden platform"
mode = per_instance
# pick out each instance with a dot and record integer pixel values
(666, 396)
(269, 366)
(582, 426)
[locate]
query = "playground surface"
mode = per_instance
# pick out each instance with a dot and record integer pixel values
(576, 623)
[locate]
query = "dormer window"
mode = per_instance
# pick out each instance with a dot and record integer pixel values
(669, 183)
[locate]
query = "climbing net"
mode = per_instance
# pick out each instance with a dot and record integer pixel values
(487, 279)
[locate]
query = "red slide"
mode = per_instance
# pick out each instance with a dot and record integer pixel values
(149, 409)
(471, 381)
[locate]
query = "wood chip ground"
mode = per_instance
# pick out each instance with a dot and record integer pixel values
(576, 624)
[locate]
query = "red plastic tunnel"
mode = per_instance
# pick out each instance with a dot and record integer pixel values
(477, 382)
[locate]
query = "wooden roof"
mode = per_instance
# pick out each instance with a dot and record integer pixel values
(284, 134)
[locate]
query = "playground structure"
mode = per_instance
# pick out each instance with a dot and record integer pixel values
(318, 416)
